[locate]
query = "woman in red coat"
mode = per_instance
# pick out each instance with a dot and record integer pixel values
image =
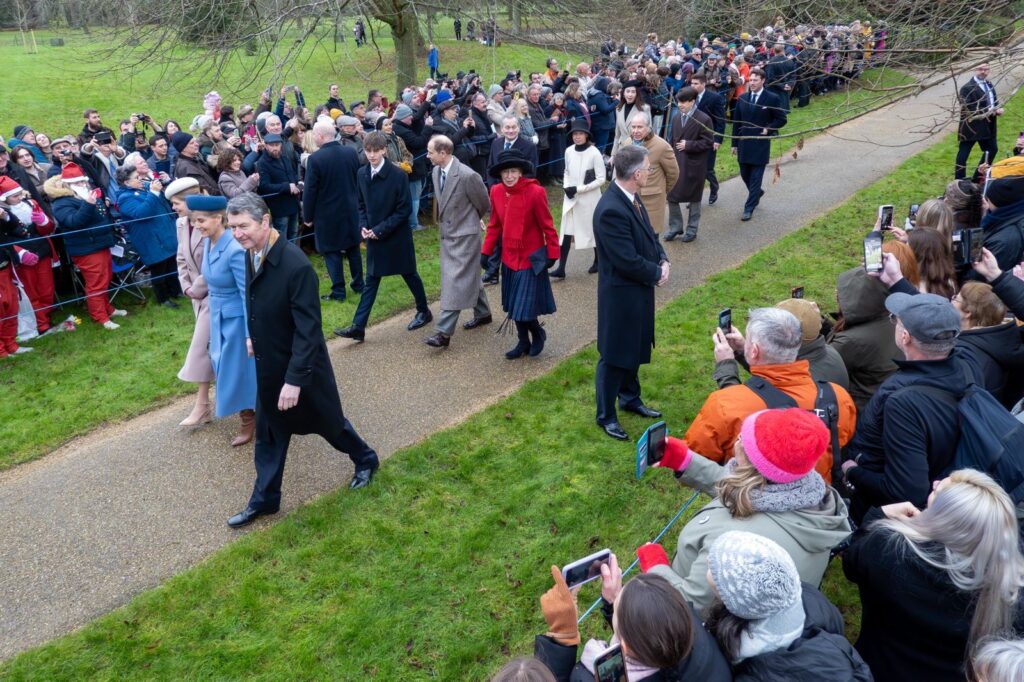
(521, 221)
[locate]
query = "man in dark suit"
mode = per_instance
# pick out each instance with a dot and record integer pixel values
(384, 206)
(279, 183)
(780, 75)
(758, 117)
(712, 104)
(979, 109)
(295, 388)
(509, 139)
(630, 262)
(691, 140)
(329, 205)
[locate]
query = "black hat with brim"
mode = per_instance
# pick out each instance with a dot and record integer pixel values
(511, 158)
(580, 126)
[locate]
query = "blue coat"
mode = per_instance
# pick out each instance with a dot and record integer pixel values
(432, 58)
(275, 177)
(224, 272)
(86, 228)
(150, 224)
(602, 110)
(751, 120)
(384, 207)
(329, 198)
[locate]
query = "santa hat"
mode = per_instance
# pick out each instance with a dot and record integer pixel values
(784, 445)
(72, 173)
(9, 187)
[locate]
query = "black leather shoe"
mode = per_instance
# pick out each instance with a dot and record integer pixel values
(420, 320)
(438, 340)
(712, 198)
(478, 322)
(614, 430)
(352, 332)
(670, 236)
(489, 280)
(169, 304)
(747, 215)
(689, 236)
(329, 297)
(644, 411)
(362, 477)
(247, 516)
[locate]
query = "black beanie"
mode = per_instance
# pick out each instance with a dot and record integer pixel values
(1005, 191)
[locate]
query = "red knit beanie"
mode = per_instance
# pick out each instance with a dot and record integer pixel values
(784, 445)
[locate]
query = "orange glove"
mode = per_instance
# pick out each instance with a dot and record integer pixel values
(559, 607)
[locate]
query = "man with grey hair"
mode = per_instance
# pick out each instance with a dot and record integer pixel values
(630, 263)
(771, 346)
(295, 388)
(908, 433)
(664, 168)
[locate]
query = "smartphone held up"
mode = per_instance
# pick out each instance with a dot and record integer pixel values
(873, 252)
(650, 448)
(586, 569)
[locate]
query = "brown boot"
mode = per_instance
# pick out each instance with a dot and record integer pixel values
(246, 429)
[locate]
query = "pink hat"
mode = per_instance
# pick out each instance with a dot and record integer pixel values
(784, 445)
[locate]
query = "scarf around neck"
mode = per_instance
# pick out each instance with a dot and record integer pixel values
(1002, 214)
(803, 493)
(513, 221)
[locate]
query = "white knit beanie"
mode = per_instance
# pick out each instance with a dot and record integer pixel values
(754, 576)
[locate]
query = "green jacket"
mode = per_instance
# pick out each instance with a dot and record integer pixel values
(807, 534)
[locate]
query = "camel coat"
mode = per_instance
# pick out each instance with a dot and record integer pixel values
(197, 367)
(578, 212)
(661, 179)
(460, 206)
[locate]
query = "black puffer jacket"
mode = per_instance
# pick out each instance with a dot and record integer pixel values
(996, 357)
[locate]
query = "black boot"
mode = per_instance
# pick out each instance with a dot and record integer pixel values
(593, 268)
(523, 347)
(539, 336)
(563, 258)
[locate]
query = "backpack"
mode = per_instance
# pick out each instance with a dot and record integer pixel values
(991, 438)
(826, 408)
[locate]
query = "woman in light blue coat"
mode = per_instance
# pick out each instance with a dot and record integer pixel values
(224, 272)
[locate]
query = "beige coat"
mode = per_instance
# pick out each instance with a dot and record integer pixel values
(197, 367)
(661, 179)
(578, 212)
(460, 208)
(623, 135)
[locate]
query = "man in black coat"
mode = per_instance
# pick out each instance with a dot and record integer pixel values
(979, 109)
(780, 75)
(329, 205)
(712, 104)
(509, 139)
(383, 192)
(279, 185)
(630, 262)
(758, 117)
(295, 388)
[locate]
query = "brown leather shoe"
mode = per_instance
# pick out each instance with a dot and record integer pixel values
(246, 429)
(478, 322)
(438, 340)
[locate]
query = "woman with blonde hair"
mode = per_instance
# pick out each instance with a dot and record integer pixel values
(769, 487)
(999, 660)
(933, 583)
(935, 214)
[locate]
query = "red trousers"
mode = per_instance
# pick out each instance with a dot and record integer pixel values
(97, 271)
(8, 312)
(38, 282)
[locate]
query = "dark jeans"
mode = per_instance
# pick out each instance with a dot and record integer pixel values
(336, 269)
(287, 225)
(164, 277)
(369, 295)
(615, 382)
(752, 176)
(990, 145)
(272, 450)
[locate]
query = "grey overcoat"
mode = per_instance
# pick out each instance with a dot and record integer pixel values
(461, 206)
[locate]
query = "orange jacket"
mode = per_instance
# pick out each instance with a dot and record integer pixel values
(718, 423)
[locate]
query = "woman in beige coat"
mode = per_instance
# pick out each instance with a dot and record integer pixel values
(197, 368)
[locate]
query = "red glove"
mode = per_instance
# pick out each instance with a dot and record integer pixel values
(677, 455)
(26, 257)
(651, 555)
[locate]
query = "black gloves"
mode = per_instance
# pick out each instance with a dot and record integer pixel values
(550, 263)
(570, 192)
(483, 260)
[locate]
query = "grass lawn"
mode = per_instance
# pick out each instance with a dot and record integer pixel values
(434, 572)
(81, 380)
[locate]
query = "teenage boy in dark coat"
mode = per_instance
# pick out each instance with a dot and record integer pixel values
(295, 388)
(758, 118)
(329, 205)
(384, 205)
(712, 104)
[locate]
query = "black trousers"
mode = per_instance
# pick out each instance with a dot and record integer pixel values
(165, 282)
(712, 178)
(752, 176)
(614, 382)
(272, 450)
(369, 295)
(990, 145)
(479, 165)
(494, 262)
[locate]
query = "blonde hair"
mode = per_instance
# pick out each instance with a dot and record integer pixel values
(309, 144)
(734, 489)
(999, 660)
(970, 531)
(935, 214)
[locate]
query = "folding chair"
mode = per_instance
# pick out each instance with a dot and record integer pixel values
(127, 270)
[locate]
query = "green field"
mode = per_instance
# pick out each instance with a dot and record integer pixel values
(435, 571)
(81, 380)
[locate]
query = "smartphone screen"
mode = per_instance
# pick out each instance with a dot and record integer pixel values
(977, 236)
(914, 208)
(610, 666)
(725, 320)
(656, 443)
(885, 213)
(586, 569)
(797, 292)
(873, 252)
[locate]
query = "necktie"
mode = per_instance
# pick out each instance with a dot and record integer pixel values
(444, 176)
(753, 98)
(257, 257)
(508, 145)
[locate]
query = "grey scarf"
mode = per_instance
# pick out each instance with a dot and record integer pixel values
(804, 493)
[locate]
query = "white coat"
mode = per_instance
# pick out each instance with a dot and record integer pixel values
(578, 212)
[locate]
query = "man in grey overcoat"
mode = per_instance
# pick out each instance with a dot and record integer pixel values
(462, 201)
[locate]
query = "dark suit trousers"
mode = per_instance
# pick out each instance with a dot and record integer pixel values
(616, 382)
(712, 178)
(752, 176)
(990, 145)
(272, 450)
(369, 295)
(494, 262)
(336, 269)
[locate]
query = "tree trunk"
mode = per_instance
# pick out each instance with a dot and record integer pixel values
(406, 34)
(515, 11)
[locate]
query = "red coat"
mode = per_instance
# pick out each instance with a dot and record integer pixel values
(521, 219)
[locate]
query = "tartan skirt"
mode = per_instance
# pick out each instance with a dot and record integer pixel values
(524, 295)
